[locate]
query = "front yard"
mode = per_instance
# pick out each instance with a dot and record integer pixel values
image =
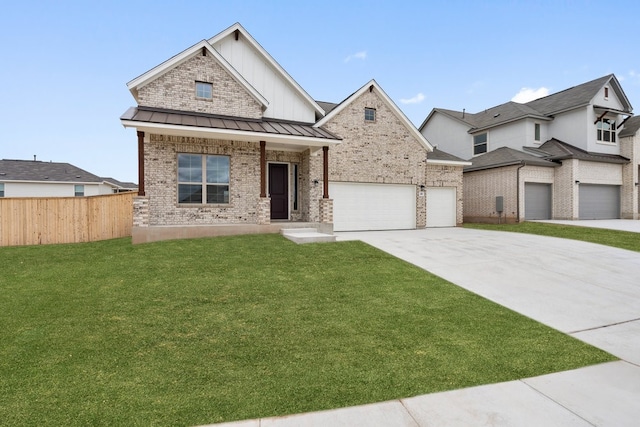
(200, 331)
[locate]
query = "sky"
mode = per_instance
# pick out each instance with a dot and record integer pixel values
(65, 64)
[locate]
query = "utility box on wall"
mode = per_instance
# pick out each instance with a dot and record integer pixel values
(499, 204)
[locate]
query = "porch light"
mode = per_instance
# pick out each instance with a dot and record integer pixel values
(577, 182)
(315, 182)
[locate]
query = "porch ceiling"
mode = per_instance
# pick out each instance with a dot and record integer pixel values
(279, 135)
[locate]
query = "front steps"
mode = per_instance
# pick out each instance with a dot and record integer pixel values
(306, 235)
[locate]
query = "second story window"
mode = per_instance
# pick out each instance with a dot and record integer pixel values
(370, 114)
(479, 144)
(606, 130)
(537, 132)
(204, 90)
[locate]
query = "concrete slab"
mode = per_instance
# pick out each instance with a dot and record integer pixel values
(506, 404)
(603, 395)
(380, 414)
(622, 340)
(307, 235)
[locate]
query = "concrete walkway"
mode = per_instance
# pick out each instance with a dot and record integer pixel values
(589, 291)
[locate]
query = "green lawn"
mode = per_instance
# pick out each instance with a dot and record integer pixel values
(208, 330)
(615, 238)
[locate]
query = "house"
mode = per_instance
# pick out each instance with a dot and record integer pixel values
(34, 178)
(229, 142)
(569, 155)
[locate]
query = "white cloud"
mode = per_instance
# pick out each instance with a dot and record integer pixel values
(358, 55)
(527, 94)
(415, 100)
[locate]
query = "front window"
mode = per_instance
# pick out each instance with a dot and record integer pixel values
(606, 130)
(204, 90)
(78, 190)
(203, 179)
(479, 144)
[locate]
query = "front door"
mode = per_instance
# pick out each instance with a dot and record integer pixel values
(279, 190)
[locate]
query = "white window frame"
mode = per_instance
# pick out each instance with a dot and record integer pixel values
(204, 90)
(478, 144)
(1, 189)
(204, 183)
(611, 131)
(536, 132)
(78, 190)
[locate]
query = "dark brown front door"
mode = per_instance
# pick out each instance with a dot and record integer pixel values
(279, 190)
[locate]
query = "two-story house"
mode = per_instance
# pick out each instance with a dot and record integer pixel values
(569, 155)
(229, 142)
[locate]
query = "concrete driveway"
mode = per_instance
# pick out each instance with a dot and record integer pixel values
(589, 291)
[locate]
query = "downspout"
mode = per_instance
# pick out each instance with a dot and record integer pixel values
(522, 164)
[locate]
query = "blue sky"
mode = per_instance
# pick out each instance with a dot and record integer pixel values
(66, 64)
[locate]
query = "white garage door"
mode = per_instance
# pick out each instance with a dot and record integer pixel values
(441, 207)
(359, 206)
(599, 201)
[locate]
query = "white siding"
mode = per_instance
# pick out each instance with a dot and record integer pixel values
(284, 100)
(36, 189)
(449, 135)
(573, 127)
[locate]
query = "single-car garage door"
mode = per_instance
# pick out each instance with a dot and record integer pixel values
(537, 201)
(441, 207)
(360, 206)
(599, 201)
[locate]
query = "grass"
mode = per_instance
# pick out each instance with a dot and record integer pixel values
(615, 238)
(208, 330)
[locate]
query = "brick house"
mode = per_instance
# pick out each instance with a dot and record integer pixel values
(230, 143)
(569, 155)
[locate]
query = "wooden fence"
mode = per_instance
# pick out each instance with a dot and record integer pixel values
(48, 220)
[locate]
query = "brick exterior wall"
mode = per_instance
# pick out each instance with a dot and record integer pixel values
(448, 176)
(175, 90)
(630, 148)
(382, 151)
(481, 189)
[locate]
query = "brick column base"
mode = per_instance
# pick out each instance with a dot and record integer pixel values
(264, 211)
(326, 211)
(141, 211)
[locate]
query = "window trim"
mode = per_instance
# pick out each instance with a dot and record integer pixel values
(371, 117)
(536, 132)
(1, 189)
(612, 131)
(479, 144)
(76, 192)
(203, 183)
(208, 85)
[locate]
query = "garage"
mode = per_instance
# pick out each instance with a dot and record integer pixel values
(365, 206)
(441, 207)
(599, 201)
(537, 201)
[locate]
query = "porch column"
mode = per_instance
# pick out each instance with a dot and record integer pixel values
(325, 172)
(140, 163)
(263, 167)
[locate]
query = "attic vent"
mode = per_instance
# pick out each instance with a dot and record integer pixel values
(237, 34)
(496, 115)
(204, 51)
(371, 88)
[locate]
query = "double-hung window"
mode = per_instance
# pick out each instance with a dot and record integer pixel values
(606, 130)
(479, 144)
(78, 190)
(1, 189)
(203, 179)
(370, 114)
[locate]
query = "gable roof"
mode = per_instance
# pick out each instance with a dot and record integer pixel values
(240, 30)
(438, 156)
(36, 170)
(183, 56)
(578, 96)
(539, 109)
(370, 86)
(559, 150)
(630, 127)
(119, 184)
(506, 156)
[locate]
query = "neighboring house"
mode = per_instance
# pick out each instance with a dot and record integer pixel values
(34, 178)
(570, 155)
(227, 138)
(119, 186)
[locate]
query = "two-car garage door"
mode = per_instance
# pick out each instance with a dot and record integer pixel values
(365, 206)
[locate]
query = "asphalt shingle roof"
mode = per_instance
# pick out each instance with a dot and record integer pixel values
(437, 154)
(559, 150)
(631, 126)
(35, 170)
(506, 156)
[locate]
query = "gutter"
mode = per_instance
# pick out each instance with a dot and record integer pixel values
(522, 164)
